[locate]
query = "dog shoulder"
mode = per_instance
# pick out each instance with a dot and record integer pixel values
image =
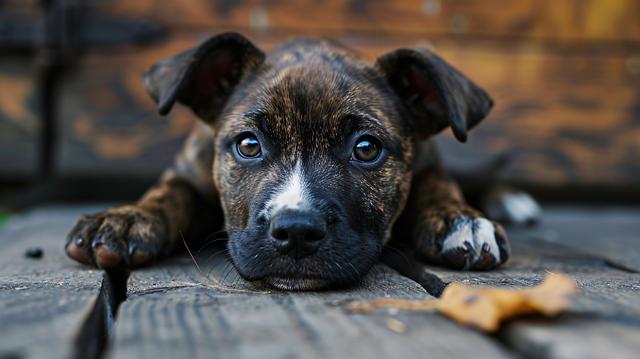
(195, 161)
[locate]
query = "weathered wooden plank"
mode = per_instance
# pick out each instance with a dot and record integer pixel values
(43, 301)
(19, 118)
(605, 232)
(605, 320)
(110, 124)
(21, 20)
(173, 310)
(567, 117)
(589, 20)
(19, 92)
(576, 337)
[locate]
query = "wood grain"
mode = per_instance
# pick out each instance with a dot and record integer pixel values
(175, 310)
(110, 124)
(610, 233)
(19, 119)
(585, 244)
(216, 312)
(566, 116)
(43, 301)
(567, 20)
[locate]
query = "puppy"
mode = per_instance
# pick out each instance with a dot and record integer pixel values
(311, 158)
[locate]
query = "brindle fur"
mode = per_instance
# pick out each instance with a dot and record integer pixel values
(435, 203)
(303, 98)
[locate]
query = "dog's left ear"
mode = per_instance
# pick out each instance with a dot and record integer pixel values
(436, 94)
(203, 77)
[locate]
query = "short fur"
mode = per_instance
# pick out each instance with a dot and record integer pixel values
(307, 102)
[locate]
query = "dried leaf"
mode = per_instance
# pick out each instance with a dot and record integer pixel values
(485, 308)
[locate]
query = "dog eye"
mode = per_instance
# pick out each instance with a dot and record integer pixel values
(367, 149)
(249, 147)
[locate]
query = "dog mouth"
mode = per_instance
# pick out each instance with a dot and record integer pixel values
(296, 283)
(341, 264)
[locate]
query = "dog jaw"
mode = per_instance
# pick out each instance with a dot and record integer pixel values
(297, 284)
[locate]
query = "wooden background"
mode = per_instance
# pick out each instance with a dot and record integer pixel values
(565, 75)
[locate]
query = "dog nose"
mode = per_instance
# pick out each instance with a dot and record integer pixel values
(297, 233)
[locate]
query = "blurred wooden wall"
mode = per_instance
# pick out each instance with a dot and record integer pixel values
(565, 75)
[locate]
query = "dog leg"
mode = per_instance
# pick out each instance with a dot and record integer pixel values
(445, 230)
(134, 235)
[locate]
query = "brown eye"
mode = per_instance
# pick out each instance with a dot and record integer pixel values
(366, 149)
(249, 147)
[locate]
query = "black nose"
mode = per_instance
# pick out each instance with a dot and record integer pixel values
(297, 233)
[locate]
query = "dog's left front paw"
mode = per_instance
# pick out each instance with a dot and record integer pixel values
(464, 241)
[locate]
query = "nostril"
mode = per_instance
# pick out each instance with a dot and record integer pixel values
(279, 233)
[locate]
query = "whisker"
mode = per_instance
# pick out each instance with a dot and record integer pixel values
(214, 254)
(215, 264)
(228, 269)
(190, 254)
(208, 241)
(352, 272)
(238, 280)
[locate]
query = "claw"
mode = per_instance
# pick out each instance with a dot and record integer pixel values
(469, 243)
(112, 239)
(486, 248)
(79, 241)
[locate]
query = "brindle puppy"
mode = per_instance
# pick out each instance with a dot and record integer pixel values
(311, 156)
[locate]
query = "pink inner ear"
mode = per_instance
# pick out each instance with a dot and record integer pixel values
(425, 90)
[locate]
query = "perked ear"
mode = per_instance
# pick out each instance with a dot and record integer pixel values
(203, 77)
(436, 94)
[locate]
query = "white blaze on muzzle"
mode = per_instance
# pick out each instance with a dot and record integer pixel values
(293, 194)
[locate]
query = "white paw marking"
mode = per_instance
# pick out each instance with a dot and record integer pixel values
(476, 232)
(521, 207)
(293, 194)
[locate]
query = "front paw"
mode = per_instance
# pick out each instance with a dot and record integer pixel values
(465, 242)
(126, 236)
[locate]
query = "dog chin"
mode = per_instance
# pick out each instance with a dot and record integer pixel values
(297, 284)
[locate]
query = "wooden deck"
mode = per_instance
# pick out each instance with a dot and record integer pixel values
(51, 307)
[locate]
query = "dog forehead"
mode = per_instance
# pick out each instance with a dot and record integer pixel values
(305, 49)
(312, 86)
(320, 69)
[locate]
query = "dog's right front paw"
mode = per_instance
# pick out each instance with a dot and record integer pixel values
(124, 236)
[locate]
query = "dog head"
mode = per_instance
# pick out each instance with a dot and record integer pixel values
(313, 146)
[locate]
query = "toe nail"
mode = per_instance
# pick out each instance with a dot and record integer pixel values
(485, 248)
(466, 248)
(97, 243)
(80, 241)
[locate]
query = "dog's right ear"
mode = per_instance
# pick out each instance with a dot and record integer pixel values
(203, 77)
